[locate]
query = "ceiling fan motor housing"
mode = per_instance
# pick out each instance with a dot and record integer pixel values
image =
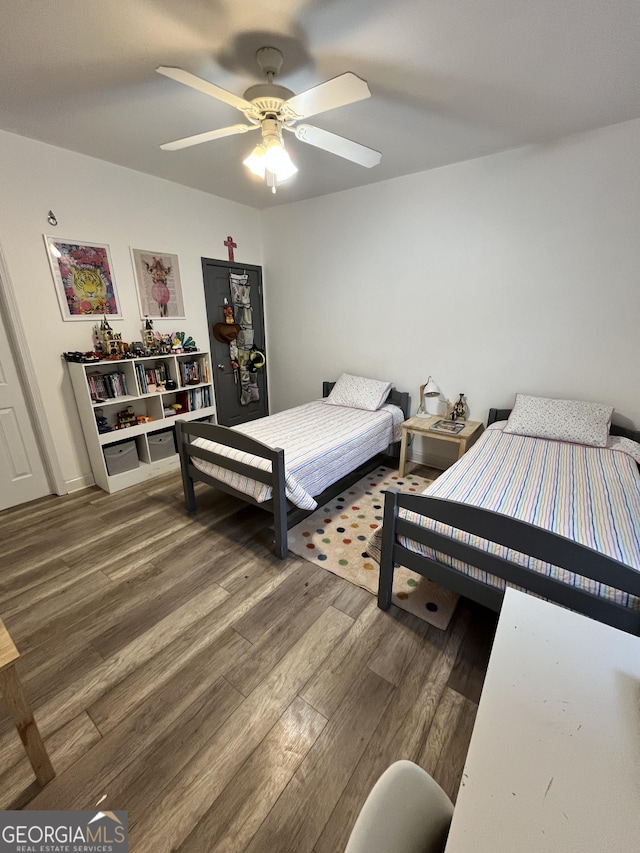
(267, 97)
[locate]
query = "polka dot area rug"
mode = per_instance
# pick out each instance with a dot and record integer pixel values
(335, 537)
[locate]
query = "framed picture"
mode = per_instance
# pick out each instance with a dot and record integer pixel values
(82, 273)
(158, 282)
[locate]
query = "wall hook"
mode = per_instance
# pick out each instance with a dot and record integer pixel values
(51, 218)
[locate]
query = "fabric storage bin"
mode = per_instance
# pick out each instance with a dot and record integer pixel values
(121, 457)
(161, 445)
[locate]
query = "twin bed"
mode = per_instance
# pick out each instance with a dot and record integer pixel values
(327, 445)
(558, 518)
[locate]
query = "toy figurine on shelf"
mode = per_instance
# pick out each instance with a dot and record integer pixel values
(102, 422)
(459, 409)
(148, 335)
(189, 345)
(126, 418)
(107, 340)
(81, 357)
(173, 409)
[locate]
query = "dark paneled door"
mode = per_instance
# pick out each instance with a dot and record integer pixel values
(226, 382)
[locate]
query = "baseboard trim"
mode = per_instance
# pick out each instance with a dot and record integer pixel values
(432, 460)
(79, 483)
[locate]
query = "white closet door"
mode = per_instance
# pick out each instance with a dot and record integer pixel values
(22, 475)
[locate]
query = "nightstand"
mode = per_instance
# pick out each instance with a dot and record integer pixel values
(420, 426)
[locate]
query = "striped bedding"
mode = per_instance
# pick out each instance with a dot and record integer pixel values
(589, 494)
(321, 444)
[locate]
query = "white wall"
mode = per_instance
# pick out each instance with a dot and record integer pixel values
(97, 201)
(515, 272)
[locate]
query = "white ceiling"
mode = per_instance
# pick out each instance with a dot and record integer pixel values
(450, 80)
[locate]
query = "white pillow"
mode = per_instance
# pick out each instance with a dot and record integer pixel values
(626, 445)
(356, 392)
(560, 420)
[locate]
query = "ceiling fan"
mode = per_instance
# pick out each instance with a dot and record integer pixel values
(272, 108)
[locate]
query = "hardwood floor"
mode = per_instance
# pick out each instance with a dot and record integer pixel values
(229, 701)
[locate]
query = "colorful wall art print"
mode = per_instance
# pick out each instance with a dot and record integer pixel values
(158, 282)
(83, 276)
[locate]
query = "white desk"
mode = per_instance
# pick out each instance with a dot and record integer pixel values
(554, 759)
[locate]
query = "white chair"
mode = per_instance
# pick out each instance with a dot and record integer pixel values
(406, 812)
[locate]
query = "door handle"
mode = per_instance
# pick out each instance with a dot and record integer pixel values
(221, 366)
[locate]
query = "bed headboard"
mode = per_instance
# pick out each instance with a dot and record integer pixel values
(503, 415)
(397, 398)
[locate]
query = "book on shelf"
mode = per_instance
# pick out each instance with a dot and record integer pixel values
(104, 386)
(190, 372)
(194, 399)
(448, 427)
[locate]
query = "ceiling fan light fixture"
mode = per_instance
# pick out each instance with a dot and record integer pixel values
(255, 162)
(278, 161)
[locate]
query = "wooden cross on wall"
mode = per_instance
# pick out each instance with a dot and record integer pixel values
(230, 246)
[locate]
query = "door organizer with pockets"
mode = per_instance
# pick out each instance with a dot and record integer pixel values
(243, 350)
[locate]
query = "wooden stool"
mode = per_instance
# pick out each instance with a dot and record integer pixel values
(20, 710)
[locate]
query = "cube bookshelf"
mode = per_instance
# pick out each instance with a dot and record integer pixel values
(141, 396)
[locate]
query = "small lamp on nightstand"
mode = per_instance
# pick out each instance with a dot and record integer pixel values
(429, 399)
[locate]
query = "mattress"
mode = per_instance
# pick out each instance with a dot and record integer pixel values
(321, 444)
(588, 494)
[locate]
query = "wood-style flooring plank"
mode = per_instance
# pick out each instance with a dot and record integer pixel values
(232, 821)
(124, 697)
(353, 600)
(14, 582)
(59, 601)
(440, 736)
(448, 770)
(80, 694)
(50, 668)
(326, 690)
(175, 586)
(258, 621)
(165, 821)
(468, 673)
(121, 755)
(287, 627)
(141, 783)
(55, 584)
(402, 730)
(81, 622)
(65, 748)
(398, 645)
(323, 775)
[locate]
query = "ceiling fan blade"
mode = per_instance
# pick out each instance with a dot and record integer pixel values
(338, 145)
(345, 89)
(204, 86)
(208, 136)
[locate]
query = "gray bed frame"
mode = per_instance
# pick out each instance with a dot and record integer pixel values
(512, 533)
(285, 514)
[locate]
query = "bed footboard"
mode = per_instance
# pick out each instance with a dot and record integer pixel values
(519, 536)
(186, 431)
